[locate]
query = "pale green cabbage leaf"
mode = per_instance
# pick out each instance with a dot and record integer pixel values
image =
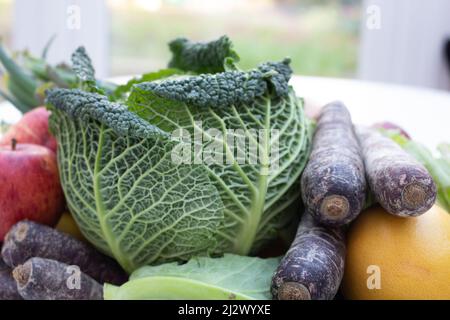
(231, 277)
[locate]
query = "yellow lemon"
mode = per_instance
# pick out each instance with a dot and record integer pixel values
(389, 257)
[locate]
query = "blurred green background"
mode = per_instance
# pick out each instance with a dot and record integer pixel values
(320, 36)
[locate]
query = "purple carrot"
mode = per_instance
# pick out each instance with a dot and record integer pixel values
(333, 183)
(27, 239)
(399, 183)
(45, 279)
(8, 288)
(313, 267)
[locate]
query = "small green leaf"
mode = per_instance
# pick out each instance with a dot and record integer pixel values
(82, 65)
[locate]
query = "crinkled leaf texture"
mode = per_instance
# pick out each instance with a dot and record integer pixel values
(82, 65)
(256, 196)
(84, 71)
(198, 57)
(226, 88)
(230, 277)
(127, 196)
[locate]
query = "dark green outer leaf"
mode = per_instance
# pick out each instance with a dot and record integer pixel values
(227, 88)
(80, 104)
(200, 57)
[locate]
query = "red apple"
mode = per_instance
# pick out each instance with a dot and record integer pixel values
(29, 186)
(32, 128)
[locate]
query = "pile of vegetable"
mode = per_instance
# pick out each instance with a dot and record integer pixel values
(183, 178)
(334, 190)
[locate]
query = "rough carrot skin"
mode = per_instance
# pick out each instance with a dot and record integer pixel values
(8, 288)
(399, 183)
(45, 279)
(333, 183)
(27, 239)
(313, 267)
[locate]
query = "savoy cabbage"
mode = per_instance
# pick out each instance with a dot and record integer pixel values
(130, 197)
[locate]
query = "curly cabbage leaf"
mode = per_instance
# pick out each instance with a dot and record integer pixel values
(82, 65)
(208, 57)
(231, 277)
(84, 71)
(226, 88)
(135, 201)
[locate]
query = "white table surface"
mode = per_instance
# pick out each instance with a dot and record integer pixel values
(423, 113)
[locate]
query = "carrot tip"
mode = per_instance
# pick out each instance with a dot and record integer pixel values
(335, 207)
(22, 274)
(414, 195)
(293, 291)
(22, 230)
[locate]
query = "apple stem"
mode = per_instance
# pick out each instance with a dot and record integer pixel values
(13, 144)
